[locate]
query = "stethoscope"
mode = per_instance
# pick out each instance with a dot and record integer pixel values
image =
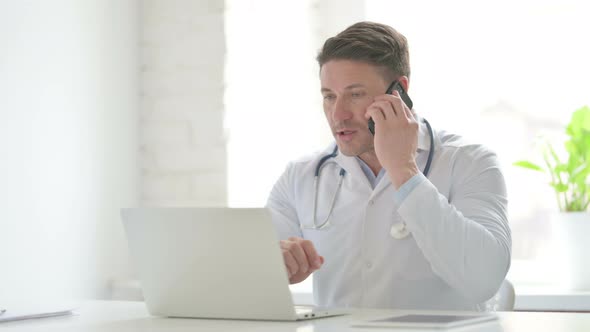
(398, 230)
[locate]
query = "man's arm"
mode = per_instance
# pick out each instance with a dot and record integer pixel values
(281, 204)
(300, 256)
(466, 238)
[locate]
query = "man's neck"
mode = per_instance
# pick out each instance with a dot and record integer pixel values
(370, 158)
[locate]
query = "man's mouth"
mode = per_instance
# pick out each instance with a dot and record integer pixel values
(345, 134)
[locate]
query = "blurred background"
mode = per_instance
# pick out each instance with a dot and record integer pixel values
(116, 103)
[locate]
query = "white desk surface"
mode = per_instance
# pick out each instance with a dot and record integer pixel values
(118, 316)
(551, 299)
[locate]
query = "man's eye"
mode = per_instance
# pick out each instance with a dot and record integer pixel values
(329, 97)
(357, 94)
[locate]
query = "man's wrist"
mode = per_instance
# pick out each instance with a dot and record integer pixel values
(400, 175)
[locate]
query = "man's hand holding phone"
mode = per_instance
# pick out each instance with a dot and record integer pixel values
(396, 136)
(301, 258)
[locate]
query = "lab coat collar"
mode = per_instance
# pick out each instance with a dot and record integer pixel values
(352, 167)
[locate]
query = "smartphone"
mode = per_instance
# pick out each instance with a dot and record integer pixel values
(395, 85)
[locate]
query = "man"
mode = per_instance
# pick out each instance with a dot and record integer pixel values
(377, 232)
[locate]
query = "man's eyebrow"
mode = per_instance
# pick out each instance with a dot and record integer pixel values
(355, 85)
(350, 87)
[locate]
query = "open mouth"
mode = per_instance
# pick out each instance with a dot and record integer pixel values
(345, 134)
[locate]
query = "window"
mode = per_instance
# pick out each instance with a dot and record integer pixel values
(273, 103)
(500, 73)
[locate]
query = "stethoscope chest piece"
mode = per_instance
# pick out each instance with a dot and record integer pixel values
(399, 230)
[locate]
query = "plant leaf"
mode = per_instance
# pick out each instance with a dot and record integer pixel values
(552, 153)
(528, 165)
(580, 122)
(561, 168)
(580, 173)
(560, 187)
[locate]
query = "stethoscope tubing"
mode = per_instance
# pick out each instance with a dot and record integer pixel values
(322, 163)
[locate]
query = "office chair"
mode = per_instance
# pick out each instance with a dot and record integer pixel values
(503, 300)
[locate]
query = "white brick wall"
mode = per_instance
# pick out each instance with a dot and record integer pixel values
(183, 153)
(183, 54)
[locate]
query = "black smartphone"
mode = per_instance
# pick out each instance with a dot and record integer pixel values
(395, 85)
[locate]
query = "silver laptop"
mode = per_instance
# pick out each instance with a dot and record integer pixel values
(212, 263)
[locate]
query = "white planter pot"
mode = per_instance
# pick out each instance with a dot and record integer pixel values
(572, 237)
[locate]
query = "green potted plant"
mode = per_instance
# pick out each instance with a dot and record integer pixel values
(570, 179)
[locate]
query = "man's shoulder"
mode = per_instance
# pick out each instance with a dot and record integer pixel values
(457, 142)
(313, 157)
(464, 150)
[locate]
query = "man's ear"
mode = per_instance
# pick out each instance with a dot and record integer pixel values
(405, 82)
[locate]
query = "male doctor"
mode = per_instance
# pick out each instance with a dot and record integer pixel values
(377, 231)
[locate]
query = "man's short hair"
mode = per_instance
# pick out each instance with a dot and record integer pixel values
(373, 43)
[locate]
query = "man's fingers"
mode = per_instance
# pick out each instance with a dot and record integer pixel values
(396, 102)
(409, 114)
(375, 113)
(386, 107)
(290, 263)
(312, 255)
(297, 252)
(301, 258)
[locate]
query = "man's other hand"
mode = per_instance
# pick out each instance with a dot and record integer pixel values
(301, 258)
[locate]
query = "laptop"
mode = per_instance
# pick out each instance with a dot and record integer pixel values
(212, 263)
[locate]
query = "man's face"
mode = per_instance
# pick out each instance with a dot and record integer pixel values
(348, 88)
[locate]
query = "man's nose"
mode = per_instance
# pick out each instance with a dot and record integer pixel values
(341, 110)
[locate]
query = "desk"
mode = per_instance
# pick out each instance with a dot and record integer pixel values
(528, 297)
(551, 299)
(118, 316)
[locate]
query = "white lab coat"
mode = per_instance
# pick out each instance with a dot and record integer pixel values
(458, 251)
